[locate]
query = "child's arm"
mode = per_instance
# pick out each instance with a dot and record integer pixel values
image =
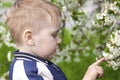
(94, 71)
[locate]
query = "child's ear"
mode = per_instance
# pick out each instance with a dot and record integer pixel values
(29, 37)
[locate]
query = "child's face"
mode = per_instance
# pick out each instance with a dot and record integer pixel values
(46, 42)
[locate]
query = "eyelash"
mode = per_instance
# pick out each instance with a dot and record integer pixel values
(54, 35)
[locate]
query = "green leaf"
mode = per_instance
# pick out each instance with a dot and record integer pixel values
(106, 50)
(6, 4)
(4, 63)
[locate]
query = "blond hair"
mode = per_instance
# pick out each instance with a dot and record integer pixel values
(32, 14)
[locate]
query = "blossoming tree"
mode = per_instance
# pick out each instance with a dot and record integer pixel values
(86, 34)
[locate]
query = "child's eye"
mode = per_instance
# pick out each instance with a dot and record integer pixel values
(54, 35)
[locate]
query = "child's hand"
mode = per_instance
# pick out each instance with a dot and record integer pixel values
(94, 71)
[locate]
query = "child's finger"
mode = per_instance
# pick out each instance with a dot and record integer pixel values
(98, 61)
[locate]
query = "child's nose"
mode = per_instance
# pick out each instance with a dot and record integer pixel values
(58, 40)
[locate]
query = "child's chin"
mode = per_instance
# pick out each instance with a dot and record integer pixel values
(52, 55)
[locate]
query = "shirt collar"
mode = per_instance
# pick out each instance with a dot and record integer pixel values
(28, 56)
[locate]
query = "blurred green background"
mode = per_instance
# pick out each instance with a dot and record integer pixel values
(84, 35)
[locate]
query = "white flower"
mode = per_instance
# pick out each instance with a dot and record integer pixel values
(2, 30)
(99, 16)
(77, 59)
(9, 56)
(116, 39)
(114, 8)
(113, 55)
(108, 20)
(107, 56)
(104, 14)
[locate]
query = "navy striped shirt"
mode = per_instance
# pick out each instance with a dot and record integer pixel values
(29, 67)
